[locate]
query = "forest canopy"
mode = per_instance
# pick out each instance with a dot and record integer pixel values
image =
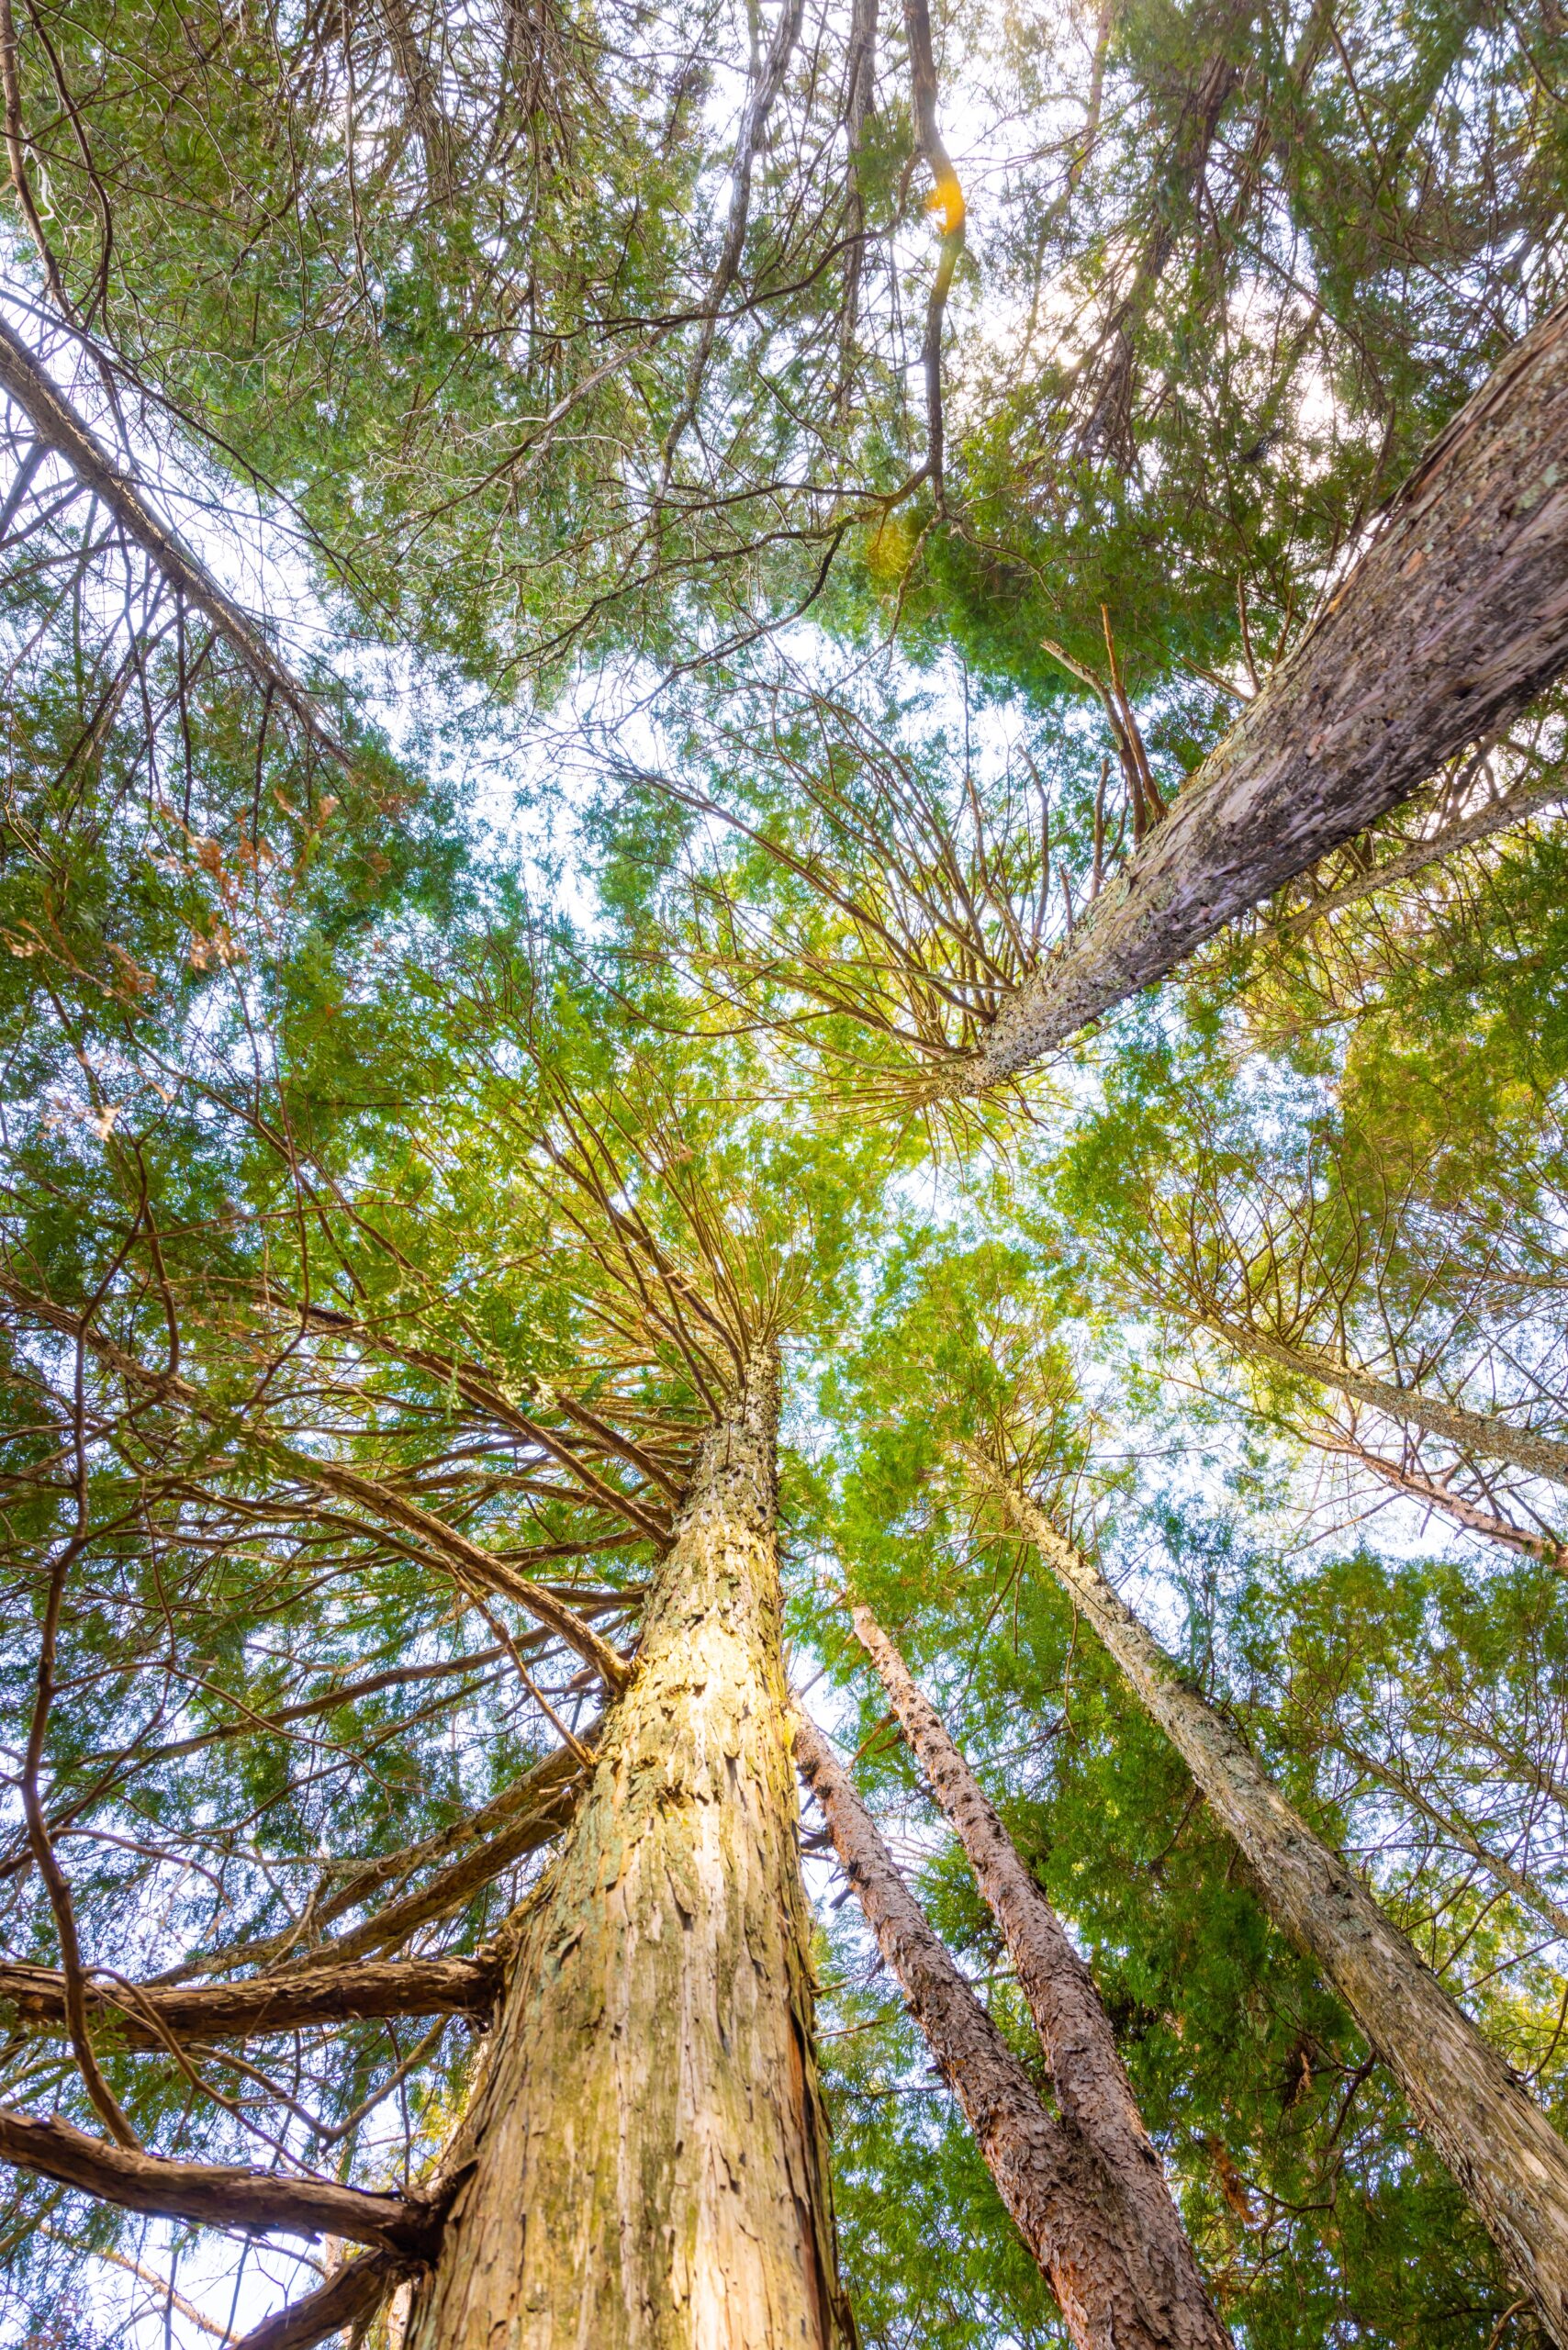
(783, 1187)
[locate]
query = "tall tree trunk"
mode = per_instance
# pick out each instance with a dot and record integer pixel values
(1453, 620)
(1108, 426)
(1058, 2195)
(1482, 1432)
(1499, 2146)
(649, 2146)
(24, 379)
(1080, 2047)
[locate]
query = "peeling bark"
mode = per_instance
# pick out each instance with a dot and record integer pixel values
(1502, 2151)
(1453, 620)
(1080, 2046)
(1055, 2193)
(649, 2147)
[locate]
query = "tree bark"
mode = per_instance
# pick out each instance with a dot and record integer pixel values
(217, 2195)
(144, 2014)
(1467, 832)
(1499, 2146)
(1433, 1495)
(349, 2299)
(1080, 2046)
(649, 2144)
(1055, 2193)
(1453, 620)
(1457, 1830)
(1538, 1455)
(59, 427)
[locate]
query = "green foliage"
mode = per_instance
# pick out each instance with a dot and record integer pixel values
(335, 1136)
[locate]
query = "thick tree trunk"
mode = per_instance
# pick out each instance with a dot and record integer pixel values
(1454, 619)
(1057, 2194)
(1080, 2047)
(1499, 2146)
(1482, 1432)
(649, 2146)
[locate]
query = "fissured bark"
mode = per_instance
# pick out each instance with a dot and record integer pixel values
(1498, 2145)
(1091, 2081)
(649, 2146)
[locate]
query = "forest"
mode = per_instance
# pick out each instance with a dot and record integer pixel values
(783, 1175)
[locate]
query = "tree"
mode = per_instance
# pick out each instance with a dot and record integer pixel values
(1075, 2034)
(468, 1310)
(1488, 2132)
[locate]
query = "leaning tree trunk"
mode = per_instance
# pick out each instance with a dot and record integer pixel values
(1500, 2149)
(1058, 2195)
(650, 2149)
(1454, 619)
(24, 378)
(1080, 2046)
(1482, 1432)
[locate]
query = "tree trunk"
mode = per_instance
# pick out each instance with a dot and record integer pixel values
(1454, 619)
(1089, 2079)
(24, 379)
(1057, 2194)
(649, 2146)
(1434, 1494)
(1499, 2146)
(1538, 1455)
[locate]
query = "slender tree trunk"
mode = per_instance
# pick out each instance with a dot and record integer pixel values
(1437, 1495)
(1089, 2079)
(649, 2146)
(1499, 2146)
(1467, 832)
(1454, 619)
(1458, 1830)
(1057, 2193)
(1176, 196)
(24, 379)
(1538, 1455)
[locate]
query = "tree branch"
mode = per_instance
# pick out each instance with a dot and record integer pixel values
(283, 2001)
(349, 2298)
(215, 2194)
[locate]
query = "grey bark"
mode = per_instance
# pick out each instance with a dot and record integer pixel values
(1453, 620)
(1502, 2151)
(1433, 1495)
(1080, 2046)
(1467, 832)
(1482, 1432)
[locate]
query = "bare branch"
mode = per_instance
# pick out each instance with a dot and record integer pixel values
(214, 2195)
